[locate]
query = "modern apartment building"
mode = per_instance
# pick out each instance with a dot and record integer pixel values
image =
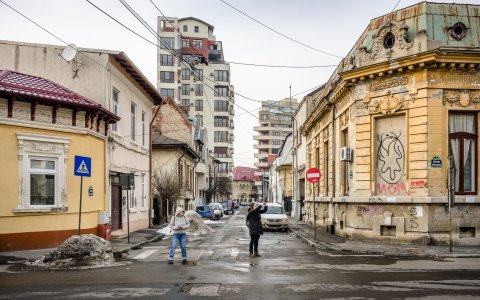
(275, 123)
(192, 71)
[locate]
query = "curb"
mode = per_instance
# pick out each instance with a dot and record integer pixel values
(119, 253)
(337, 248)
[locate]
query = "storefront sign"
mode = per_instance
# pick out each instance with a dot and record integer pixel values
(436, 162)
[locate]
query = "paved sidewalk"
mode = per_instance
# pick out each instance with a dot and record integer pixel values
(327, 241)
(120, 246)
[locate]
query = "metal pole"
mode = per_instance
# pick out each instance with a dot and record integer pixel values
(80, 210)
(128, 219)
(314, 214)
(451, 195)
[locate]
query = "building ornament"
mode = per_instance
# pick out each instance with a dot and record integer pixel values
(388, 83)
(398, 39)
(462, 98)
(388, 104)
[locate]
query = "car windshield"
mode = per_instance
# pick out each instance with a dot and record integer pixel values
(275, 210)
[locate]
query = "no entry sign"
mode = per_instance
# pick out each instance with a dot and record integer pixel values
(313, 175)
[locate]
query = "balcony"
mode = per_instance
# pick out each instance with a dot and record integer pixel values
(261, 165)
(262, 146)
(201, 168)
(261, 155)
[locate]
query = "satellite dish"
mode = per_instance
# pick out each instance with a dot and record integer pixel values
(69, 52)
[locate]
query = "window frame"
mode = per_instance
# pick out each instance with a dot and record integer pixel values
(167, 94)
(166, 60)
(144, 128)
(133, 121)
(198, 106)
(185, 89)
(462, 136)
(170, 79)
(116, 107)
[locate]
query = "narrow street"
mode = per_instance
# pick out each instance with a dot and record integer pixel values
(220, 267)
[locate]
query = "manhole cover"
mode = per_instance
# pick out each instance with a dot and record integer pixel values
(201, 289)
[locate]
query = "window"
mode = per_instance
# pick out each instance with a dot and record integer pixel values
(185, 28)
(220, 121)
(220, 152)
(167, 43)
(116, 107)
(196, 29)
(197, 44)
(276, 133)
(199, 105)
(263, 117)
(198, 74)
(275, 117)
(220, 136)
(276, 142)
(185, 74)
(344, 166)
(199, 90)
(185, 89)
(223, 167)
(166, 93)
(463, 137)
(325, 168)
(221, 91)
(166, 60)
(133, 123)
(185, 102)
(221, 75)
(189, 58)
(144, 194)
(220, 105)
(185, 43)
(166, 77)
(42, 177)
(144, 128)
(287, 118)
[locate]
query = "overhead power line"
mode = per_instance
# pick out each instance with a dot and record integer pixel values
(279, 66)
(278, 32)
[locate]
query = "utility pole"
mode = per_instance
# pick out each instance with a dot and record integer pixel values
(294, 165)
(451, 195)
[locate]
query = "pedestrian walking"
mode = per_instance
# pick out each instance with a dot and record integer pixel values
(254, 222)
(179, 224)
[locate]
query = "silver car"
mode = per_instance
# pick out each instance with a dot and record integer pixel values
(218, 206)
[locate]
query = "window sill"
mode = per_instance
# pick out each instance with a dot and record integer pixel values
(133, 210)
(116, 134)
(40, 210)
(143, 209)
(135, 144)
(144, 148)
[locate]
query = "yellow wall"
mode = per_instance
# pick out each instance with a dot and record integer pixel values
(80, 144)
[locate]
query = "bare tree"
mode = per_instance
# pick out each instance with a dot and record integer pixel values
(224, 186)
(167, 186)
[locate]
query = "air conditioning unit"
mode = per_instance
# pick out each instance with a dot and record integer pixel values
(212, 74)
(346, 154)
(192, 89)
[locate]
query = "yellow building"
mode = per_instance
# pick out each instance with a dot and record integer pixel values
(43, 126)
(404, 99)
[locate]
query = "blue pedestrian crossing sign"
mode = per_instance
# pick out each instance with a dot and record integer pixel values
(82, 166)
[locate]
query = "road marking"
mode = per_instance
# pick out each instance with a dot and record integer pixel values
(145, 254)
(234, 252)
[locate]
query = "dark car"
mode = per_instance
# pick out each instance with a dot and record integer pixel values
(226, 208)
(206, 212)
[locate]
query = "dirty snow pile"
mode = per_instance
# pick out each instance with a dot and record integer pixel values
(197, 225)
(86, 250)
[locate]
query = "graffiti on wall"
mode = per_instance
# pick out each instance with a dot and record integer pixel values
(390, 156)
(370, 210)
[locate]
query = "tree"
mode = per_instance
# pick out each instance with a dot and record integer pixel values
(167, 186)
(224, 186)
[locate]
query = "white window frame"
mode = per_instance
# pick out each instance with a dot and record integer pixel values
(144, 128)
(116, 108)
(42, 147)
(144, 194)
(133, 121)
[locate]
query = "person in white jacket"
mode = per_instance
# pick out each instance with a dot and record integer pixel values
(179, 224)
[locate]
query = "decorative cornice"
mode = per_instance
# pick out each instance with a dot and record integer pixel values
(461, 98)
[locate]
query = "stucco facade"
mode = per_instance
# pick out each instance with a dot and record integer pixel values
(404, 99)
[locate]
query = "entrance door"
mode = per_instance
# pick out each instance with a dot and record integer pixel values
(116, 207)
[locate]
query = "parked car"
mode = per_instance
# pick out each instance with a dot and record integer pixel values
(226, 210)
(216, 211)
(206, 212)
(219, 207)
(275, 217)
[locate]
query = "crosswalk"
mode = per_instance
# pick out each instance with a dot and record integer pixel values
(158, 253)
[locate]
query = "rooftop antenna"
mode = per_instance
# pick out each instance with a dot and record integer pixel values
(69, 54)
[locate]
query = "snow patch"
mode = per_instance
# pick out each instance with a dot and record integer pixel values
(198, 226)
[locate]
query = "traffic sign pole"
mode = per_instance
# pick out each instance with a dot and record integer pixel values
(80, 210)
(313, 175)
(82, 167)
(314, 214)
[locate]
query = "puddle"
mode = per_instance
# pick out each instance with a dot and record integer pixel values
(201, 289)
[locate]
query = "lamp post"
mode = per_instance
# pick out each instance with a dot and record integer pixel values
(217, 163)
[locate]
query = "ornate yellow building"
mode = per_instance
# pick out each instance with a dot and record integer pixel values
(405, 98)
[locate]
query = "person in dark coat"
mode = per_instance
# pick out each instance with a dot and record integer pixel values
(254, 221)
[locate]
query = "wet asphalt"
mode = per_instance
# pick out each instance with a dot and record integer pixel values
(220, 268)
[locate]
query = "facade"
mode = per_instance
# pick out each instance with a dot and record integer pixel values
(177, 152)
(275, 123)
(192, 70)
(243, 187)
(403, 100)
(43, 126)
(111, 79)
(281, 191)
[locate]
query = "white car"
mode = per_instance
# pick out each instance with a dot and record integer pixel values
(218, 206)
(216, 211)
(275, 217)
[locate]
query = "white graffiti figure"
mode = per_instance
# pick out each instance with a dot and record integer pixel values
(390, 157)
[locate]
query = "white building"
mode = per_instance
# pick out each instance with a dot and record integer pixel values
(197, 87)
(111, 79)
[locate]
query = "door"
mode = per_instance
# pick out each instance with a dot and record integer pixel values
(116, 207)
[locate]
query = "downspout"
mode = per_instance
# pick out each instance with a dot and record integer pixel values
(150, 222)
(333, 163)
(179, 173)
(195, 179)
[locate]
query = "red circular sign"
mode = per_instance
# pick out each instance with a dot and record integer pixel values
(313, 175)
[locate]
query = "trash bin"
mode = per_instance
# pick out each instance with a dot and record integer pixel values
(104, 231)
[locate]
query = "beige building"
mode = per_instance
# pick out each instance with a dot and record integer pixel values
(275, 123)
(192, 71)
(243, 186)
(402, 101)
(111, 79)
(281, 178)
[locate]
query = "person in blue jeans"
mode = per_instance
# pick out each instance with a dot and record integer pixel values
(179, 224)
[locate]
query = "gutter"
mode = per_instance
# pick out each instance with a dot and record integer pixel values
(150, 222)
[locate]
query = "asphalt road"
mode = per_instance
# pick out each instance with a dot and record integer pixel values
(220, 268)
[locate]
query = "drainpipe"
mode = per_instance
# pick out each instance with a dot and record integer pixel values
(333, 165)
(150, 222)
(194, 179)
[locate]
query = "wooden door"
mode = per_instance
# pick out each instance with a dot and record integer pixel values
(116, 207)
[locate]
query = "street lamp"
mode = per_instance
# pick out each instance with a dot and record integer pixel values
(217, 163)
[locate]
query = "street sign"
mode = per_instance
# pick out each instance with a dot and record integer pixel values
(82, 166)
(313, 175)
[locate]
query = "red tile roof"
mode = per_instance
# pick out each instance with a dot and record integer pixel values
(28, 87)
(245, 174)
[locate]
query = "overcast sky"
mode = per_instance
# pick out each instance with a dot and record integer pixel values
(331, 26)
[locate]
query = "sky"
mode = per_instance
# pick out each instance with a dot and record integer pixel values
(330, 26)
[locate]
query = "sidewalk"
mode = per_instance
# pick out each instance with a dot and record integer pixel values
(119, 246)
(327, 241)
